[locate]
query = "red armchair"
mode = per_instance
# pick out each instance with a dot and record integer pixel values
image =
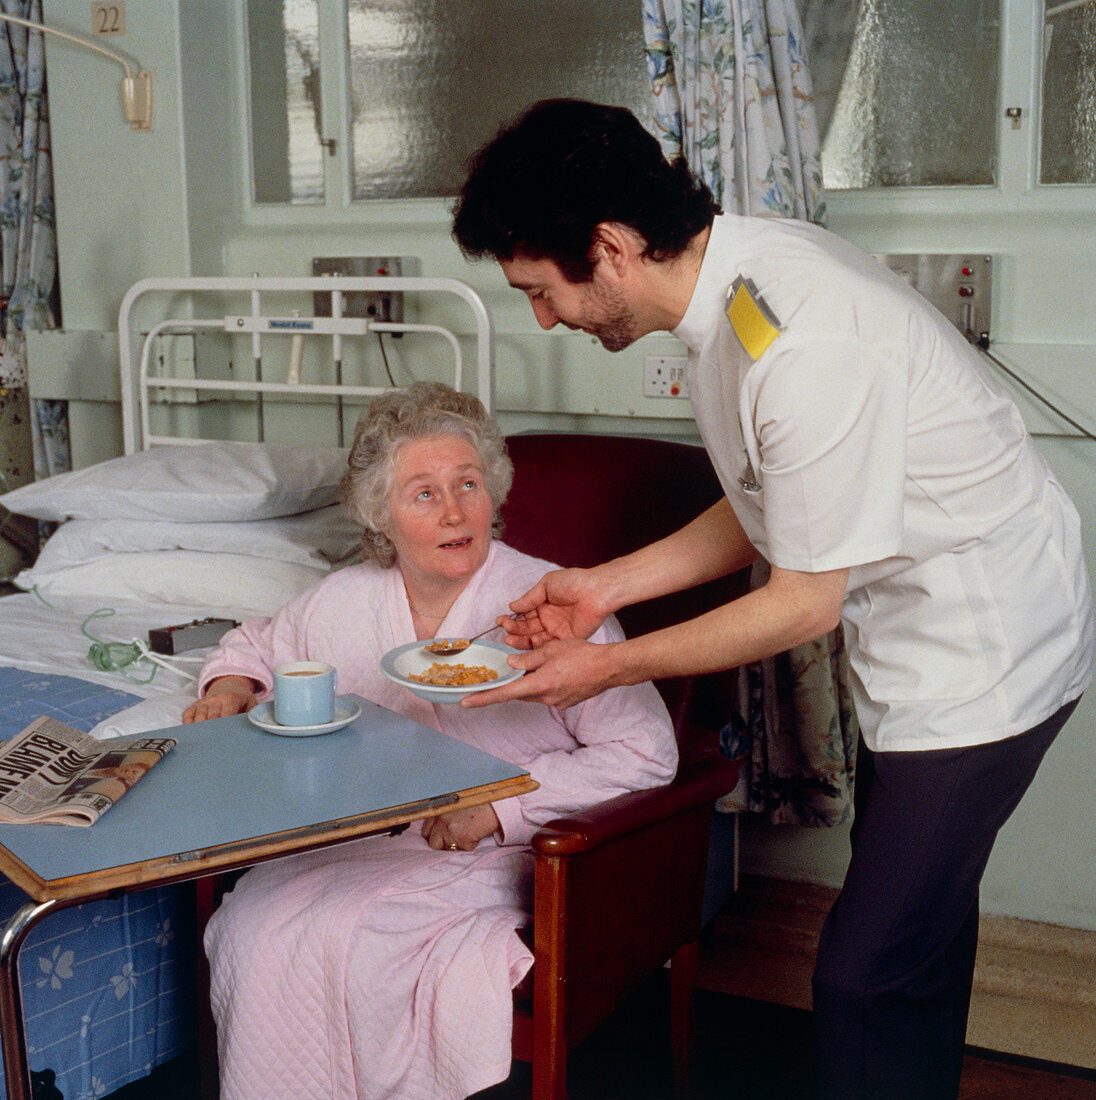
(618, 888)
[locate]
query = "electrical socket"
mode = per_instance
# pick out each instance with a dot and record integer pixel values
(378, 305)
(664, 376)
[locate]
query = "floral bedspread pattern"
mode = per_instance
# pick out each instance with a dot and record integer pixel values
(107, 986)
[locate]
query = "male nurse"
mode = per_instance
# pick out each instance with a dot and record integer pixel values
(891, 489)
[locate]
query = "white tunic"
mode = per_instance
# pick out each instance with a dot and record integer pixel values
(877, 444)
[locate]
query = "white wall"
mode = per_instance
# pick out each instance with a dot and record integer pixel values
(174, 201)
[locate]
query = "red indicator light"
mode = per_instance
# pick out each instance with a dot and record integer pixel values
(966, 271)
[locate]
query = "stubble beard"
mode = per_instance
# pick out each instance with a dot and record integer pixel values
(617, 329)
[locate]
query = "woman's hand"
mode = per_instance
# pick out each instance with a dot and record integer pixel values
(226, 695)
(568, 603)
(461, 829)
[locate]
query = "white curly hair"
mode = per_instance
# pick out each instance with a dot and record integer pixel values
(424, 410)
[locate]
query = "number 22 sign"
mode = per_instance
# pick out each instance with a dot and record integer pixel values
(109, 18)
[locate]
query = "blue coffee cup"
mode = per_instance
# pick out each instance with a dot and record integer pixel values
(304, 693)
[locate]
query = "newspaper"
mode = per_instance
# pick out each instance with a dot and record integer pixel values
(54, 774)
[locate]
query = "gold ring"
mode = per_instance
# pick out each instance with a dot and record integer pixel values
(452, 847)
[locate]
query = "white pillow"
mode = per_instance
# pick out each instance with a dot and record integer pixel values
(235, 585)
(317, 539)
(199, 483)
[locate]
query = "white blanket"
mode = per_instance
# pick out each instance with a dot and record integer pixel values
(46, 639)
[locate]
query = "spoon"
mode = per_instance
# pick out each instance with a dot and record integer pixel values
(450, 647)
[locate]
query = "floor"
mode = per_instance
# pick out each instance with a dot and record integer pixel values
(746, 1050)
(751, 1050)
(747, 1047)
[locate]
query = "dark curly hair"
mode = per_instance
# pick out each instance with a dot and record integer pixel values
(545, 182)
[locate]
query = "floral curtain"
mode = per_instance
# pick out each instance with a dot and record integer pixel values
(28, 246)
(732, 94)
(795, 734)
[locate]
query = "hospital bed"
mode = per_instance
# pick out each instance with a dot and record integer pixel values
(185, 528)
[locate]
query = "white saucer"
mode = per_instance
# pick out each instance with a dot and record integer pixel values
(262, 716)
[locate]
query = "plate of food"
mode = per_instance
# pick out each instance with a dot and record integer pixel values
(449, 679)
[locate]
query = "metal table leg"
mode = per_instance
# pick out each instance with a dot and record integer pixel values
(13, 1040)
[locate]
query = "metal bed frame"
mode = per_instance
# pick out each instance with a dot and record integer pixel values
(139, 383)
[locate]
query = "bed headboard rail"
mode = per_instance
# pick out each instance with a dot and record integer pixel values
(139, 382)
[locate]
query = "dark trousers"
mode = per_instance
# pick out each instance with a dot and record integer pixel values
(895, 961)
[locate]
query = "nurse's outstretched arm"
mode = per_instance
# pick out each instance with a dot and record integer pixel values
(792, 608)
(573, 603)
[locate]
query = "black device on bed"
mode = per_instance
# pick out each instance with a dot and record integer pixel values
(193, 635)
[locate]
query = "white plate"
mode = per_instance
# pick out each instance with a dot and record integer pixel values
(262, 716)
(398, 663)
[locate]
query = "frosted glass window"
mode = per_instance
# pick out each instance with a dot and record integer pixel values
(1069, 94)
(917, 101)
(431, 80)
(286, 121)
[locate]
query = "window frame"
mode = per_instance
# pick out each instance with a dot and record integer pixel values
(1018, 150)
(1018, 187)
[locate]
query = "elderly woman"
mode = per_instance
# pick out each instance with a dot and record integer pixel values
(402, 951)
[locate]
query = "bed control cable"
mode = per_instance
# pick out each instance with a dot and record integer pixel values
(120, 656)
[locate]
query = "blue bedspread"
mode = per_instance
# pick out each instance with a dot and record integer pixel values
(108, 988)
(25, 696)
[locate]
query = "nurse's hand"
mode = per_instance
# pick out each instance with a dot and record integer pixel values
(558, 673)
(226, 695)
(461, 829)
(567, 603)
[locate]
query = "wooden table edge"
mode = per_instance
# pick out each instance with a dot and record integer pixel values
(180, 866)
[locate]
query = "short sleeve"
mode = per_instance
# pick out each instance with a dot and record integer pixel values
(830, 419)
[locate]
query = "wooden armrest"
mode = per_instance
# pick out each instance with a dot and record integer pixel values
(702, 780)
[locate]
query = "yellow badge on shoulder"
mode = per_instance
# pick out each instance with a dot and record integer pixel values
(754, 323)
